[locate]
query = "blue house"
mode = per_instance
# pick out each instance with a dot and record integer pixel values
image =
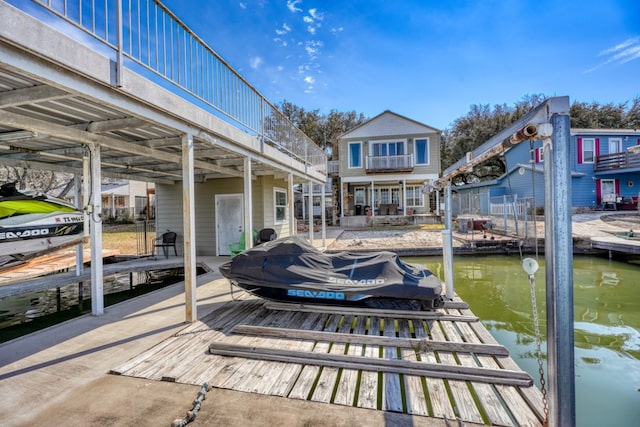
(605, 173)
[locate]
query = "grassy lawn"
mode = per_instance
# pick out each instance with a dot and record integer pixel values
(123, 237)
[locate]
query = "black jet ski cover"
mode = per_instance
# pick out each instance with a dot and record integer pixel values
(290, 269)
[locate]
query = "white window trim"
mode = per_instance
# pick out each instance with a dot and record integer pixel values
(415, 151)
(349, 162)
(276, 206)
(584, 141)
(415, 188)
(389, 141)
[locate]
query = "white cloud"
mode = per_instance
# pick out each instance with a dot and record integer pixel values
(621, 53)
(284, 30)
(243, 5)
(291, 5)
(310, 80)
(337, 30)
(255, 62)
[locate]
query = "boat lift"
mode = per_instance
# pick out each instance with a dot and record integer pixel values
(549, 122)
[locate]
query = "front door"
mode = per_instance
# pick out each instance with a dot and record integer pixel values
(229, 221)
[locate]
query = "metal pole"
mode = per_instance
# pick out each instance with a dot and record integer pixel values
(559, 274)
(447, 244)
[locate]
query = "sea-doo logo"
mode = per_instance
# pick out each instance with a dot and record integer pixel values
(339, 281)
(24, 234)
(315, 294)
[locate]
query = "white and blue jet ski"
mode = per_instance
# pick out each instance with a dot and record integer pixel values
(291, 270)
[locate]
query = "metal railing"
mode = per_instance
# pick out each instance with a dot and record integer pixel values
(148, 34)
(404, 161)
(624, 160)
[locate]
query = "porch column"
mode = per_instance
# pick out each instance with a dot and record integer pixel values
(188, 206)
(248, 204)
(373, 200)
(404, 196)
(291, 206)
(94, 211)
(323, 218)
(310, 192)
(342, 201)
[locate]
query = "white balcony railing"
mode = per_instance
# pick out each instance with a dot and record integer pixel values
(404, 161)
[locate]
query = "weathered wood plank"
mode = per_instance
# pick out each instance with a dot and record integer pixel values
(347, 385)
(368, 392)
(391, 387)
(304, 385)
(411, 314)
(415, 394)
(412, 343)
(464, 401)
(491, 405)
(436, 388)
(329, 375)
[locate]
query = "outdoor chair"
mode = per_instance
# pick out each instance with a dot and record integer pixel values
(266, 235)
(166, 241)
(240, 246)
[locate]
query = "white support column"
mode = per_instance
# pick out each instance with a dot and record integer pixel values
(188, 206)
(248, 204)
(95, 225)
(373, 200)
(80, 202)
(342, 201)
(323, 219)
(291, 206)
(310, 192)
(404, 196)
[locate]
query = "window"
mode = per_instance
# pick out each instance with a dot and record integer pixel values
(415, 197)
(280, 205)
(588, 150)
(395, 148)
(422, 151)
(359, 196)
(539, 155)
(355, 155)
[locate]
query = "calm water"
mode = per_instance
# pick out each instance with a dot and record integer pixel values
(607, 326)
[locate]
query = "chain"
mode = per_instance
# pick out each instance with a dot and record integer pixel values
(536, 325)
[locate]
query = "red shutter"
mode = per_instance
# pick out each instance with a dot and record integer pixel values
(638, 141)
(537, 155)
(598, 192)
(579, 150)
(597, 153)
(617, 181)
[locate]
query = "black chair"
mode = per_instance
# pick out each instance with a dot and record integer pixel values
(266, 235)
(166, 241)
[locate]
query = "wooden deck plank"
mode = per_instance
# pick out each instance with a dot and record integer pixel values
(491, 404)
(347, 385)
(415, 394)
(328, 377)
(464, 402)
(525, 403)
(368, 392)
(307, 378)
(391, 386)
(436, 388)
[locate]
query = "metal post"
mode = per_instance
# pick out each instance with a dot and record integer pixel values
(447, 244)
(248, 204)
(559, 274)
(94, 212)
(119, 44)
(323, 217)
(310, 209)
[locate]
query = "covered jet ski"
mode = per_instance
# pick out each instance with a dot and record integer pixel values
(292, 270)
(32, 222)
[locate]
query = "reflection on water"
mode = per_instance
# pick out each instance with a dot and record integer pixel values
(606, 329)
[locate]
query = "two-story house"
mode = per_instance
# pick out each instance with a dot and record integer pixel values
(384, 165)
(605, 174)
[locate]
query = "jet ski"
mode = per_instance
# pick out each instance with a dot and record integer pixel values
(34, 223)
(291, 270)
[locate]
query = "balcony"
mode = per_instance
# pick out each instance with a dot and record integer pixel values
(617, 161)
(381, 164)
(333, 167)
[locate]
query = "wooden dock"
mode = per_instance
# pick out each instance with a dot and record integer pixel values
(442, 364)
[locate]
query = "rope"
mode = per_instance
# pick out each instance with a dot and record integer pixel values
(191, 415)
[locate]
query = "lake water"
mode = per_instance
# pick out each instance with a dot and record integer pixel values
(607, 326)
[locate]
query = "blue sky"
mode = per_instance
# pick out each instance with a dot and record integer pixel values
(427, 60)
